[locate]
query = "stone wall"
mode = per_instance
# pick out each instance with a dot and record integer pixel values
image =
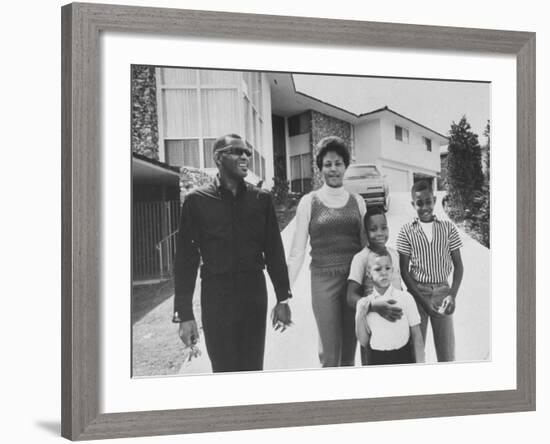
(324, 126)
(191, 178)
(145, 133)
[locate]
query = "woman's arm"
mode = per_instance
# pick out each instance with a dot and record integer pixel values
(297, 253)
(362, 211)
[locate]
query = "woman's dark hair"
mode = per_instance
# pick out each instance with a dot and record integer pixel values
(372, 211)
(334, 144)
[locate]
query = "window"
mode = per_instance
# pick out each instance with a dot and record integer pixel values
(401, 134)
(263, 166)
(428, 143)
(197, 106)
(257, 162)
(218, 112)
(253, 119)
(301, 173)
(299, 124)
(180, 109)
(183, 153)
(208, 144)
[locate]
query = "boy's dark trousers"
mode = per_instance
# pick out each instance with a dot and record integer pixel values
(404, 355)
(442, 325)
(234, 309)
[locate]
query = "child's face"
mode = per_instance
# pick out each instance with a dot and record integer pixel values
(424, 202)
(380, 270)
(377, 231)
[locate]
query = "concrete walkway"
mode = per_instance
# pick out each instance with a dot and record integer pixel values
(296, 348)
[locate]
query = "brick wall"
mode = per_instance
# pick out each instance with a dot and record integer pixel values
(324, 126)
(145, 137)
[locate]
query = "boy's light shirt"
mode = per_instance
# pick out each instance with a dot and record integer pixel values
(387, 335)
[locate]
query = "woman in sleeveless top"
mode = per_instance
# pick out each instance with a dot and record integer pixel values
(331, 218)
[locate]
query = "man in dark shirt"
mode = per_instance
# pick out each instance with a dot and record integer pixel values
(231, 226)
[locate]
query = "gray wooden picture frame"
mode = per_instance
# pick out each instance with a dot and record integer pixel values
(81, 172)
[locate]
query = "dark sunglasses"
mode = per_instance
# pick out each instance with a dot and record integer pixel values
(237, 151)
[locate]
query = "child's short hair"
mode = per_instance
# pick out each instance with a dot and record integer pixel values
(372, 211)
(421, 185)
(376, 254)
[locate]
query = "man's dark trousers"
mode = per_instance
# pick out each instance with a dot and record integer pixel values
(234, 310)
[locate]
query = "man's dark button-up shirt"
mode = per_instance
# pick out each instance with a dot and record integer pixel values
(231, 234)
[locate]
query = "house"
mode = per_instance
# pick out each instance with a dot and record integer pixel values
(177, 114)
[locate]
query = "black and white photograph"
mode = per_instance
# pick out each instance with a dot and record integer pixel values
(293, 221)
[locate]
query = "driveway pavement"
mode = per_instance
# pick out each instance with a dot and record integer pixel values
(296, 348)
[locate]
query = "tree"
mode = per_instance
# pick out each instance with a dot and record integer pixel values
(487, 160)
(465, 176)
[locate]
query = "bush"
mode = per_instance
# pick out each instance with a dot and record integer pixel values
(280, 190)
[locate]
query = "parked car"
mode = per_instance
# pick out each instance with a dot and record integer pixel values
(366, 180)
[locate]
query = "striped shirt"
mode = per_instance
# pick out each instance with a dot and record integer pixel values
(430, 261)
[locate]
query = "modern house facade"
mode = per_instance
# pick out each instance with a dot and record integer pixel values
(178, 113)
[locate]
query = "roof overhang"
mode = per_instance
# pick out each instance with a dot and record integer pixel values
(287, 102)
(146, 171)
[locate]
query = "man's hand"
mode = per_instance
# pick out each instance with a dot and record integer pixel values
(281, 316)
(387, 309)
(189, 333)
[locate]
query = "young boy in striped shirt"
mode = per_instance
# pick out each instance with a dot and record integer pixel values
(429, 250)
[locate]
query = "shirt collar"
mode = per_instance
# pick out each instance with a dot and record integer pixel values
(219, 186)
(417, 219)
(376, 294)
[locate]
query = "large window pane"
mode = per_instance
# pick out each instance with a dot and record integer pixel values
(208, 158)
(213, 77)
(181, 113)
(255, 141)
(295, 169)
(257, 162)
(307, 172)
(219, 112)
(183, 153)
(263, 167)
(170, 76)
(247, 122)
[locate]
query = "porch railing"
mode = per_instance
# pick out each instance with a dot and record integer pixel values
(154, 225)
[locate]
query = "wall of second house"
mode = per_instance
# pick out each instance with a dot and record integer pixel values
(414, 152)
(324, 126)
(145, 132)
(367, 142)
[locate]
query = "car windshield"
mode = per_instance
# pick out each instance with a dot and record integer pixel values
(361, 172)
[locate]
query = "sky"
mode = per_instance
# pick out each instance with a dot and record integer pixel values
(432, 103)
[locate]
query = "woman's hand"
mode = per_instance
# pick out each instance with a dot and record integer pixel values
(387, 309)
